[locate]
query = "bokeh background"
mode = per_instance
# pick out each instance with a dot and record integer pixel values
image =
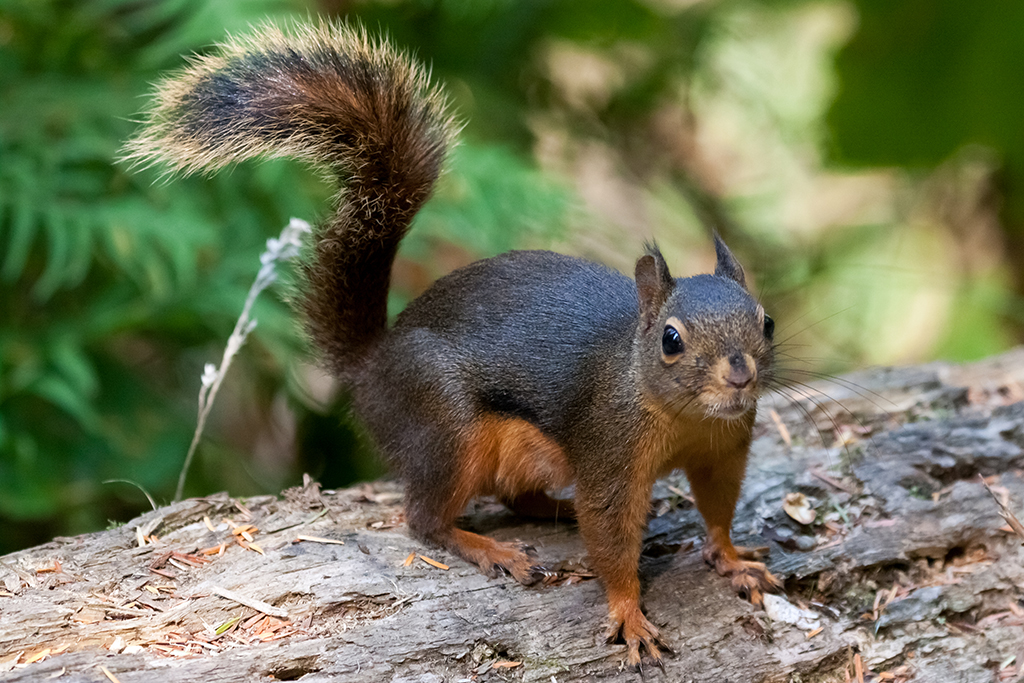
(864, 159)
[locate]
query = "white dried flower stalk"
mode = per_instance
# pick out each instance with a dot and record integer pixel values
(279, 249)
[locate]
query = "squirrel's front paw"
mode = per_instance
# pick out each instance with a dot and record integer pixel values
(630, 624)
(751, 580)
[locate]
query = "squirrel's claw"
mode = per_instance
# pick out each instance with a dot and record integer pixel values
(751, 580)
(636, 630)
(516, 559)
(540, 573)
(657, 661)
(535, 572)
(526, 548)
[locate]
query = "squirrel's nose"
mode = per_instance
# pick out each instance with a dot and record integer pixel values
(739, 378)
(740, 374)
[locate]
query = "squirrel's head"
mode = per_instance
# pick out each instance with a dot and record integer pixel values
(705, 345)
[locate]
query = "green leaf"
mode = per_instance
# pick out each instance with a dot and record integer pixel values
(81, 256)
(71, 361)
(58, 252)
(58, 391)
(22, 222)
(226, 625)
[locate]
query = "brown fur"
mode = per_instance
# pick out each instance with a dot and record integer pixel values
(508, 457)
(511, 458)
(329, 95)
(612, 523)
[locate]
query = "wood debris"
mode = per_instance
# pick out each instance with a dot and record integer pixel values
(244, 534)
(782, 428)
(214, 550)
(882, 599)
(112, 677)
(369, 495)
(246, 512)
(243, 530)
(190, 559)
(832, 481)
(236, 632)
(682, 494)
(568, 572)
(178, 560)
(1004, 510)
(319, 539)
(255, 604)
(10, 662)
(434, 563)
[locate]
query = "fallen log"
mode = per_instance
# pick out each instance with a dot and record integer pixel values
(908, 571)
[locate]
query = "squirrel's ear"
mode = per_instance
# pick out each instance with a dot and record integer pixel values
(727, 265)
(654, 284)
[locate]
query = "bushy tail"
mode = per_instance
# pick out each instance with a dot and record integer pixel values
(334, 97)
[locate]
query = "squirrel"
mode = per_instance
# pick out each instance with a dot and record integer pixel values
(516, 375)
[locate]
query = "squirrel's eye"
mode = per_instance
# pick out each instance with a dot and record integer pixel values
(769, 327)
(671, 342)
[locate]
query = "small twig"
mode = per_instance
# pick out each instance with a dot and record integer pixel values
(833, 482)
(434, 563)
(781, 427)
(308, 520)
(1005, 512)
(278, 249)
(319, 539)
(257, 605)
(112, 677)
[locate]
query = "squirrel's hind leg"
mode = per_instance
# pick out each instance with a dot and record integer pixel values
(493, 455)
(436, 524)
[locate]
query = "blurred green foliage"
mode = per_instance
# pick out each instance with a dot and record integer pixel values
(116, 287)
(111, 286)
(591, 125)
(921, 81)
(922, 78)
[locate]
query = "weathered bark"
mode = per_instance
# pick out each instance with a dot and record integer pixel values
(900, 508)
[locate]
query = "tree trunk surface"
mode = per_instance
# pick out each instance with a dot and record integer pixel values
(907, 573)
